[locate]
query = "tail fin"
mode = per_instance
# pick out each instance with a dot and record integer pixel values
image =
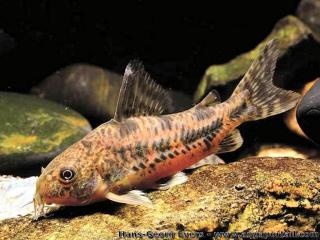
(262, 98)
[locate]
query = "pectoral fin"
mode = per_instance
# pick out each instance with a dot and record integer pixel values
(210, 160)
(134, 197)
(176, 179)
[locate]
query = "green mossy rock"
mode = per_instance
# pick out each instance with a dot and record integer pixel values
(34, 130)
(254, 195)
(292, 35)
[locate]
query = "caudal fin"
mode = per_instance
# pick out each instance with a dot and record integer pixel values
(262, 98)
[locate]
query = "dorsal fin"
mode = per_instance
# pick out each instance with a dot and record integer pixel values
(140, 95)
(211, 99)
(231, 142)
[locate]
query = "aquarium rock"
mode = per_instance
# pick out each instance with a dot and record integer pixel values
(253, 195)
(291, 116)
(34, 130)
(299, 50)
(309, 12)
(92, 91)
(286, 150)
(308, 112)
(89, 89)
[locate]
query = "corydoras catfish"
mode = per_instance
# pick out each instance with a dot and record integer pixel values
(140, 147)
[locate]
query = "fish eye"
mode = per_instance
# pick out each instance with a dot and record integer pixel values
(67, 175)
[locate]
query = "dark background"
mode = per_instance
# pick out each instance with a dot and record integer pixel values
(176, 40)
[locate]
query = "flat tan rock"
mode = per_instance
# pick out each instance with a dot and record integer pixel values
(286, 150)
(254, 194)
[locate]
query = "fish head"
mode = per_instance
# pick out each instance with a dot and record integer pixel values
(70, 179)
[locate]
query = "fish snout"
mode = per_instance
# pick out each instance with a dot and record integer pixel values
(39, 199)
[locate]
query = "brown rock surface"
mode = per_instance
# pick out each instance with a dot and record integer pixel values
(254, 194)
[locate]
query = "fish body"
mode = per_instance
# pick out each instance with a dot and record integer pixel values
(158, 147)
(138, 149)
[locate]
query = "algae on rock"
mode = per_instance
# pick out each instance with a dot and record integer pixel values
(35, 130)
(254, 194)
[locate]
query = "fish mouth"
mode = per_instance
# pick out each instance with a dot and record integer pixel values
(41, 209)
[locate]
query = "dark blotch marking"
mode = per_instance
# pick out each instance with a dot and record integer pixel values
(188, 148)
(194, 135)
(200, 115)
(208, 143)
(153, 166)
(183, 151)
(176, 152)
(61, 192)
(157, 160)
(163, 127)
(167, 145)
(139, 150)
(107, 176)
(209, 137)
(237, 111)
(122, 151)
(86, 144)
(171, 155)
(163, 157)
(162, 146)
(215, 126)
(167, 122)
(188, 137)
(135, 169)
(142, 166)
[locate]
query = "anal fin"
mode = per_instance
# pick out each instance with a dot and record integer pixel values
(134, 197)
(210, 160)
(231, 142)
